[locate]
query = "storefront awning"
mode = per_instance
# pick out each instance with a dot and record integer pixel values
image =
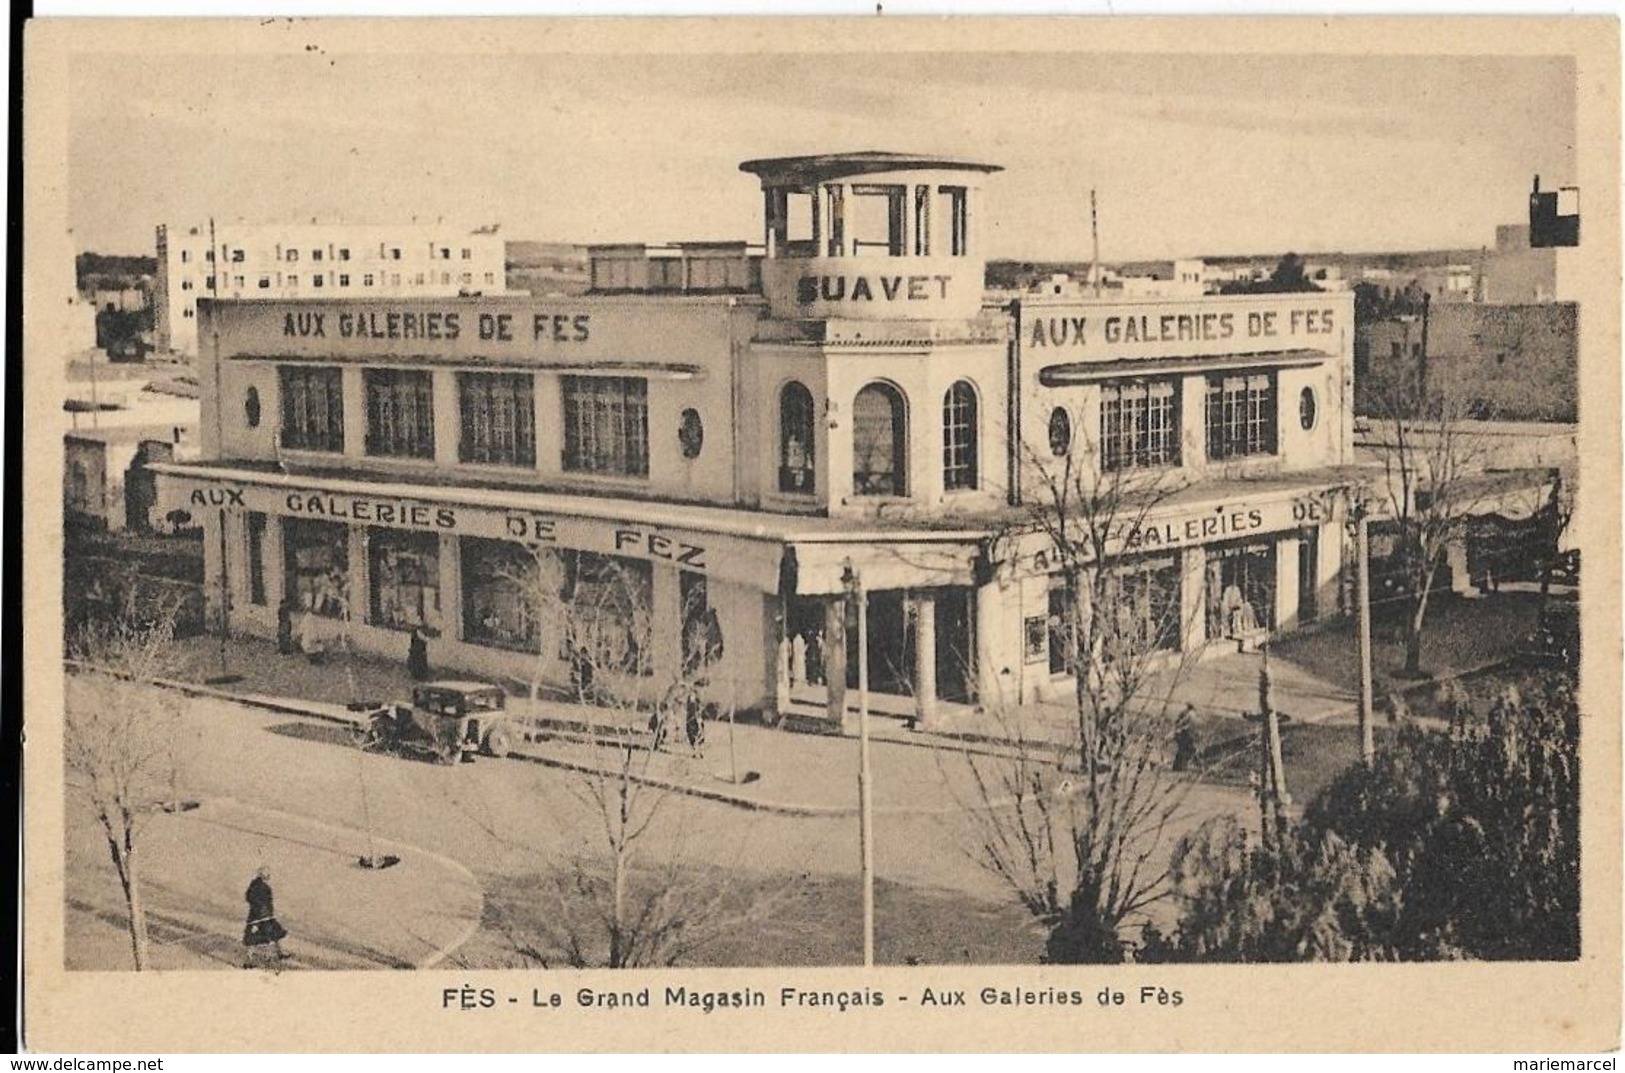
(663, 534)
(820, 567)
(1088, 372)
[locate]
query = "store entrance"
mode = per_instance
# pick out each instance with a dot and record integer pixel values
(1308, 576)
(956, 630)
(891, 647)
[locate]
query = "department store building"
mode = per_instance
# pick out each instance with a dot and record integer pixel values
(750, 433)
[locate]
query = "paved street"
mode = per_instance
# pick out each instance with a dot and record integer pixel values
(760, 803)
(512, 818)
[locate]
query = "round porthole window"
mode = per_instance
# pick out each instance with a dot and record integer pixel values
(1306, 408)
(251, 407)
(691, 433)
(1060, 432)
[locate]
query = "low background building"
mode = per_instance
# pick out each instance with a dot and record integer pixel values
(315, 260)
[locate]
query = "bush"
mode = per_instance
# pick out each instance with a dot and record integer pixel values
(1456, 844)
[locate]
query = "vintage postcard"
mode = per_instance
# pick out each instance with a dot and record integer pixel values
(806, 534)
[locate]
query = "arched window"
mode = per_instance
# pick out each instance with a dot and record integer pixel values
(879, 442)
(795, 438)
(959, 437)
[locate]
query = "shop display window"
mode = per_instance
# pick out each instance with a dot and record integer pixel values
(316, 560)
(1240, 589)
(403, 568)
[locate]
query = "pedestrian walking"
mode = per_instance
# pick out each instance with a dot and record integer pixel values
(694, 723)
(417, 655)
(263, 928)
(284, 627)
(1185, 739)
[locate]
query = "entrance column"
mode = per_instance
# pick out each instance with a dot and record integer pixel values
(835, 659)
(1193, 599)
(925, 659)
(1455, 558)
(1286, 583)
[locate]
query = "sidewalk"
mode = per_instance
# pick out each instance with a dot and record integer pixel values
(1313, 680)
(196, 864)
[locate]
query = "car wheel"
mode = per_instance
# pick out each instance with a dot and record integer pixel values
(498, 741)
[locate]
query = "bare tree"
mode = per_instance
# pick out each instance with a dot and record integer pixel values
(1072, 822)
(1432, 463)
(535, 574)
(632, 900)
(119, 740)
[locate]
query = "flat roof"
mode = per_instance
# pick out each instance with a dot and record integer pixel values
(132, 433)
(791, 170)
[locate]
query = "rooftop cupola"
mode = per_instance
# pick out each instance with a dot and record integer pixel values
(872, 236)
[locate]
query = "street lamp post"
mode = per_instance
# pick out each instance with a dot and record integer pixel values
(1362, 596)
(866, 841)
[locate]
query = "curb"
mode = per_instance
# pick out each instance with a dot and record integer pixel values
(309, 710)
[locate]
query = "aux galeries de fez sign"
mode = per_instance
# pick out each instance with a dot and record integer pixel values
(1194, 327)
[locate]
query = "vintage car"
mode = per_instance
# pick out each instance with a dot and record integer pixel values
(446, 721)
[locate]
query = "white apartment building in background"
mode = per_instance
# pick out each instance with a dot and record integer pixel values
(315, 260)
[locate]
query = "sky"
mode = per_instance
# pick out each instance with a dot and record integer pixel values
(1187, 155)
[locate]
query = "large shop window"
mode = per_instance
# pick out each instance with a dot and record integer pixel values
(404, 571)
(610, 602)
(879, 442)
(1240, 415)
(400, 413)
(498, 418)
(959, 437)
(795, 438)
(313, 409)
(504, 593)
(1139, 424)
(1142, 601)
(316, 559)
(1240, 589)
(606, 425)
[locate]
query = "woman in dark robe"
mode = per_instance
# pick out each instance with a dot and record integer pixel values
(417, 655)
(263, 927)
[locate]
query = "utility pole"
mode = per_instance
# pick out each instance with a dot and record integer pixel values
(225, 677)
(1273, 795)
(1094, 232)
(1362, 597)
(1422, 364)
(866, 822)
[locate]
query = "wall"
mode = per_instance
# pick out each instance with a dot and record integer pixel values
(739, 678)
(1506, 362)
(394, 255)
(1081, 334)
(684, 347)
